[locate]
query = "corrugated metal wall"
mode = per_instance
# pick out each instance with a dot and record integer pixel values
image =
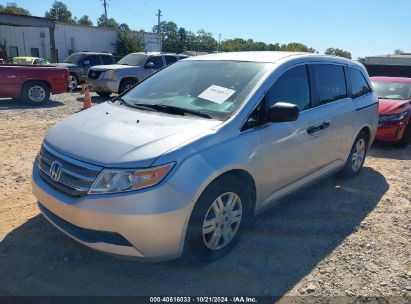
(73, 38)
(69, 39)
(25, 38)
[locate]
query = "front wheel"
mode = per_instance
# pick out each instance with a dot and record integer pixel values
(406, 137)
(103, 94)
(73, 83)
(357, 155)
(218, 219)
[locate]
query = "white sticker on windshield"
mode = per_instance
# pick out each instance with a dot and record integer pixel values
(216, 94)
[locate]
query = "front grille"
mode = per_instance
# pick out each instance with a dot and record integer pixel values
(93, 74)
(76, 177)
(83, 234)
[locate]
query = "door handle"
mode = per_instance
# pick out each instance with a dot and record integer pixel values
(317, 128)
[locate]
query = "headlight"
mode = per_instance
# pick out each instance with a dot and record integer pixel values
(109, 74)
(114, 181)
(395, 117)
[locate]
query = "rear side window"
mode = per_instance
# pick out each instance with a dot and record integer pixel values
(292, 87)
(331, 84)
(170, 59)
(107, 59)
(359, 86)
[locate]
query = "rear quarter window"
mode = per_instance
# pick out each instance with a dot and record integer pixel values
(359, 86)
(331, 85)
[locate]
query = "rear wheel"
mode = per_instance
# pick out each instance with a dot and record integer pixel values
(357, 155)
(218, 219)
(36, 93)
(406, 137)
(103, 94)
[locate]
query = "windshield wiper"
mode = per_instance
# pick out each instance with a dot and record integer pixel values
(177, 110)
(139, 106)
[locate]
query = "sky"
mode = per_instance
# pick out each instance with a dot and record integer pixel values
(362, 27)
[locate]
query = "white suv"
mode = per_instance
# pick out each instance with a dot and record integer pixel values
(182, 161)
(133, 68)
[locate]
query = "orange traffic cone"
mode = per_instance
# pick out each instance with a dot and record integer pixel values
(87, 99)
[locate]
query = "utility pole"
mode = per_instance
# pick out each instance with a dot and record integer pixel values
(219, 44)
(57, 11)
(158, 20)
(158, 29)
(105, 12)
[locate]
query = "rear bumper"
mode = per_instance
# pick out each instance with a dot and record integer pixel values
(391, 132)
(101, 85)
(128, 224)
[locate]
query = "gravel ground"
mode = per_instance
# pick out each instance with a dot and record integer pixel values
(337, 238)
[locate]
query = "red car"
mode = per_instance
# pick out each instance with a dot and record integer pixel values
(33, 84)
(394, 95)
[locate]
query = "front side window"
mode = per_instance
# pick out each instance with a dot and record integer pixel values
(157, 61)
(292, 87)
(216, 88)
(107, 59)
(331, 84)
(93, 59)
(392, 90)
(359, 86)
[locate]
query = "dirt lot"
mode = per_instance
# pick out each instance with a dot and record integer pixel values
(339, 237)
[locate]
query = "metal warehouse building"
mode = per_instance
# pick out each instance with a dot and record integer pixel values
(35, 36)
(389, 65)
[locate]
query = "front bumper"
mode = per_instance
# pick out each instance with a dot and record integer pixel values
(131, 224)
(103, 85)
(391, 132)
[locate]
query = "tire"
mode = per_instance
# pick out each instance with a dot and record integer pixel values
(126, 85)
(207, 240)
(357, 156)
(36, 93)
(406, 137)
(73, 82)
(103, 94)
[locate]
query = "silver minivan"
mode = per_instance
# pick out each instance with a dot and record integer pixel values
(184, 160)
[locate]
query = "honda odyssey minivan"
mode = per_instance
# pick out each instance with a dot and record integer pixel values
(183, 161)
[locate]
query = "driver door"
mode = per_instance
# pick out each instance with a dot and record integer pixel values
(152, 65)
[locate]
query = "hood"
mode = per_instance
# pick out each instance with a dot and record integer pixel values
(115, 136)
(392, 106)
(65, 65)
(113, 67)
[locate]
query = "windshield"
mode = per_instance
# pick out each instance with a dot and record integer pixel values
(133, 59)
(17, 60)
(73, 58)
(392, 90)
(215, 88)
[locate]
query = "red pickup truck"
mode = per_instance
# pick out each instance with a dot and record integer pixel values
(32, 84)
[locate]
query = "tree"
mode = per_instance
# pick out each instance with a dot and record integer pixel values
(338, 52)
(111, 22)
(170, 36)
(128, 42)
(60, 12)
(296, 47)
(398, 52)
(12, 8)
(206, 42)
(85, 20)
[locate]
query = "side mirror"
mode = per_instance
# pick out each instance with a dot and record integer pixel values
(149, 65)
(86, 62)
(283, 111)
